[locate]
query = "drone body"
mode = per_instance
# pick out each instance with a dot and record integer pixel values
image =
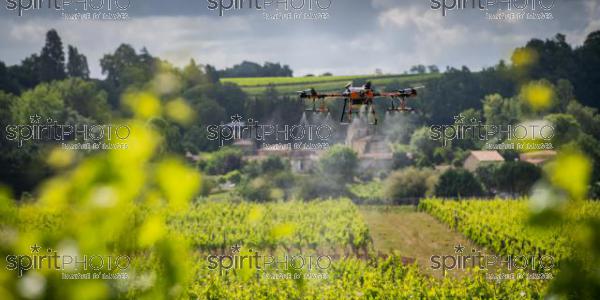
(355, 97)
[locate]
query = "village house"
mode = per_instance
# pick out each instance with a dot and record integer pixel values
(480, 158)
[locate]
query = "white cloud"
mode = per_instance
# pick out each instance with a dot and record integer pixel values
(393, 35)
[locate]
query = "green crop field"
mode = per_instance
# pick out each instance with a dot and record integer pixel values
(295, 228)
(289, 85)
(503, 225)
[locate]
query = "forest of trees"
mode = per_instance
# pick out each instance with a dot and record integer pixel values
(553, 60)
(51, 84)
(251, 69)
(54, 84)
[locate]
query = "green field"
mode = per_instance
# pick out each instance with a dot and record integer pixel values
(324, 225)
(415, 234)
(504, 226)
(392, 237)
(289, 85)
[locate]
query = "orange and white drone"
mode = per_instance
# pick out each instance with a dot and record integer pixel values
(355, 97)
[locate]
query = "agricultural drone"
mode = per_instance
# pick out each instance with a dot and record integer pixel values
(355, 97)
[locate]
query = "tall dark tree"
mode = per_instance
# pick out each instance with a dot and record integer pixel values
(458, 183)
(125, 68)
(52, 58)
(587, 83)
(27, 74)
(77, 65)
(192, 74)
(8, 82)
(212, 74)
(555, 59)
(517, 177)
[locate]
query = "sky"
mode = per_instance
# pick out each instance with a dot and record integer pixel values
(357, 37)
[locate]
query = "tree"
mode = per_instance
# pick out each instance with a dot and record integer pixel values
(458, 183)
(422, 143)
(27, 74)
(554, 59)
(125, 68)
(487, 175)
(459, 89)
(252, 69)
(229, 96)
(85, 97)
(52, 58)
(400, 157)
(212, 74)
(273, 164)
(591, 147)
(223, 161)
(77, 65)
(319, 186)
(469, 141)
(587, 80)
(564, 95)
(193, 74)
(586, 116)
(45, 101)
(418, 69)
(500, 111)
(340, 163)
(171, 135)
(433, 69)
(256, 189)
(517, 177)
(407, 183)
(8, 82)
(566, 128)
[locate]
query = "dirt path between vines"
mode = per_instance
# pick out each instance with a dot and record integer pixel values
(413, 234)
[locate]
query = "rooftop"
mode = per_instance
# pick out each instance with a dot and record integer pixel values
(487, 155)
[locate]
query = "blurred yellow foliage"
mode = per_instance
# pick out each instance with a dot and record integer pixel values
(151, 231)
(60, 158)
(179, 111)
(144, 105)
(177, 182)
(256, 214)
(571, 172)
(537, 95)
(523, 57)
(111, 202)
(283, 230)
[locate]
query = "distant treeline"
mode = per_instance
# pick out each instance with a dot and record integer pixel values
(252, 69)
(553, 60)
(56, 84)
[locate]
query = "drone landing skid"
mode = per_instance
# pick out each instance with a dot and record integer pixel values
(350, 112)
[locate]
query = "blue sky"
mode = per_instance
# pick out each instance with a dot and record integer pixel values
(358, 37)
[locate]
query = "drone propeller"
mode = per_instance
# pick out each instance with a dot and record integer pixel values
(309, 93)
(408, 92)
(314, 96)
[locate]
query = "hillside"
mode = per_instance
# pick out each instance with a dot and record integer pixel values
(289, 85)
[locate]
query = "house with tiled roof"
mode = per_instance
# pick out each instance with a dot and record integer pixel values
(479, 158)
